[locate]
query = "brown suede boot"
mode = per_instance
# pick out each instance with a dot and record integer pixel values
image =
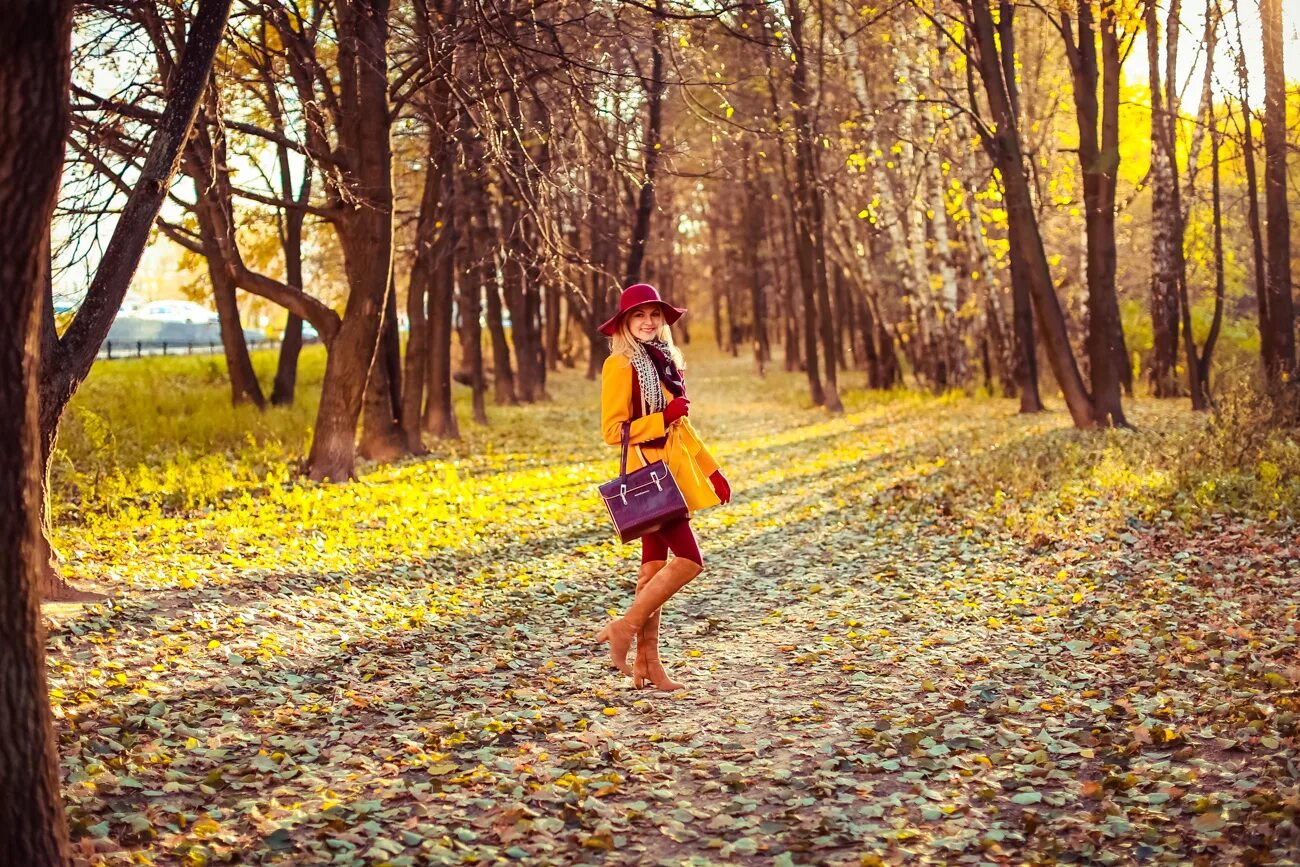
(640, 668)
(622, 632)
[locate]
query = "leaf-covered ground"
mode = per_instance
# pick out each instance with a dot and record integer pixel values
(929, 631)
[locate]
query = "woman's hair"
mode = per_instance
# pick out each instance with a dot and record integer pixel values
(624, 344)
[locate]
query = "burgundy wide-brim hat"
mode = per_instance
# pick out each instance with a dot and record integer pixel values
(634, 296)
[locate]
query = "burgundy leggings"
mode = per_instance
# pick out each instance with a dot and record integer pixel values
(677, 537)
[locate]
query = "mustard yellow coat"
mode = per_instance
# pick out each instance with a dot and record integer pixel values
(684, 453)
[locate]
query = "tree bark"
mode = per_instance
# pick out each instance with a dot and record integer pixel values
(1216, 323)
(35, 63)
(365, 236)
(1281, 312)
(439, 414)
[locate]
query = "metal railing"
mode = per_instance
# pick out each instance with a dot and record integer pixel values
(118, 349)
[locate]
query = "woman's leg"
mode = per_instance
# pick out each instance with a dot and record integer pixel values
(680, 538)
(659, 589)
(654, 556)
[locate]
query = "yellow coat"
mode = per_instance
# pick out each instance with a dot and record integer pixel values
(684, 453)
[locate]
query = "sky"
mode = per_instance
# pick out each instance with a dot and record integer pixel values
(1191, 62)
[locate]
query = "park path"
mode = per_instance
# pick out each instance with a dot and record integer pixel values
(879, 670)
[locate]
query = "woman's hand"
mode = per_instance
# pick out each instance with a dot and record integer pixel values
(720, 486)
(678, 407)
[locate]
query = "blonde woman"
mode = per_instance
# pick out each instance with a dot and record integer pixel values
(642, 383)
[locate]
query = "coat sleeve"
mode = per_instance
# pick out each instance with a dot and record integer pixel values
(616, 405)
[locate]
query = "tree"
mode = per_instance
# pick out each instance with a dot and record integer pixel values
(35, 68)
(1099, 161)
(1281, 314)
(1166, 209)
(1002, 141)
(66, 360)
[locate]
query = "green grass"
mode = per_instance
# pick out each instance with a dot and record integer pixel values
(159, 435)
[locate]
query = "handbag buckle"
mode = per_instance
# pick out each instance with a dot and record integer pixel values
(622, 493)
(655, 478)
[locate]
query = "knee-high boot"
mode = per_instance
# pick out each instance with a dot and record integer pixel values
(620, 633)
(648, 669)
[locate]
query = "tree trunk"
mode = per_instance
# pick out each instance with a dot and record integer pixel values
(1004, 145)
(1207, 353)
(206, 161)
(646, 197)
(1281, 314)
(1099, 153)
(809, 240)
(365, 236)
(1166, 237)
(478, 252)
(381, 425)
(35, 62)
(503, 378)
(439, 414)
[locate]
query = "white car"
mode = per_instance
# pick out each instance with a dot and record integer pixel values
(175, 311)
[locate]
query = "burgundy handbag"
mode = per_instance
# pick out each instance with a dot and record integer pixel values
(643, 500)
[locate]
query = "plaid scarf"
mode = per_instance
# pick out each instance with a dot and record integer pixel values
(654, 365)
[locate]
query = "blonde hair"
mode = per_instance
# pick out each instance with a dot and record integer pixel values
(624, 344)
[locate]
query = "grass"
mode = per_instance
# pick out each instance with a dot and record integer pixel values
(151, 451)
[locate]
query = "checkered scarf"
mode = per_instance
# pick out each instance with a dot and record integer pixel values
(654, 365)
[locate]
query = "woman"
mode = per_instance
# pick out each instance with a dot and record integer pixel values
(642, 383)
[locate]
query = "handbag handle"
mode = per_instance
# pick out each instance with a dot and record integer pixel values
(622, 464)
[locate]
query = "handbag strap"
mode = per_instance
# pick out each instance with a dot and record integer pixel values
(622, 467)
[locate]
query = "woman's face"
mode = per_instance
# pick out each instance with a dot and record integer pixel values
(645, 321)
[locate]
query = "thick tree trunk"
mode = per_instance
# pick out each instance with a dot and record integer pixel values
(365, 236)
(1281, 312)
(35, 59)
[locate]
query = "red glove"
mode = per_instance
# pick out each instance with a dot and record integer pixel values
(677, 408)
(720, 486)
